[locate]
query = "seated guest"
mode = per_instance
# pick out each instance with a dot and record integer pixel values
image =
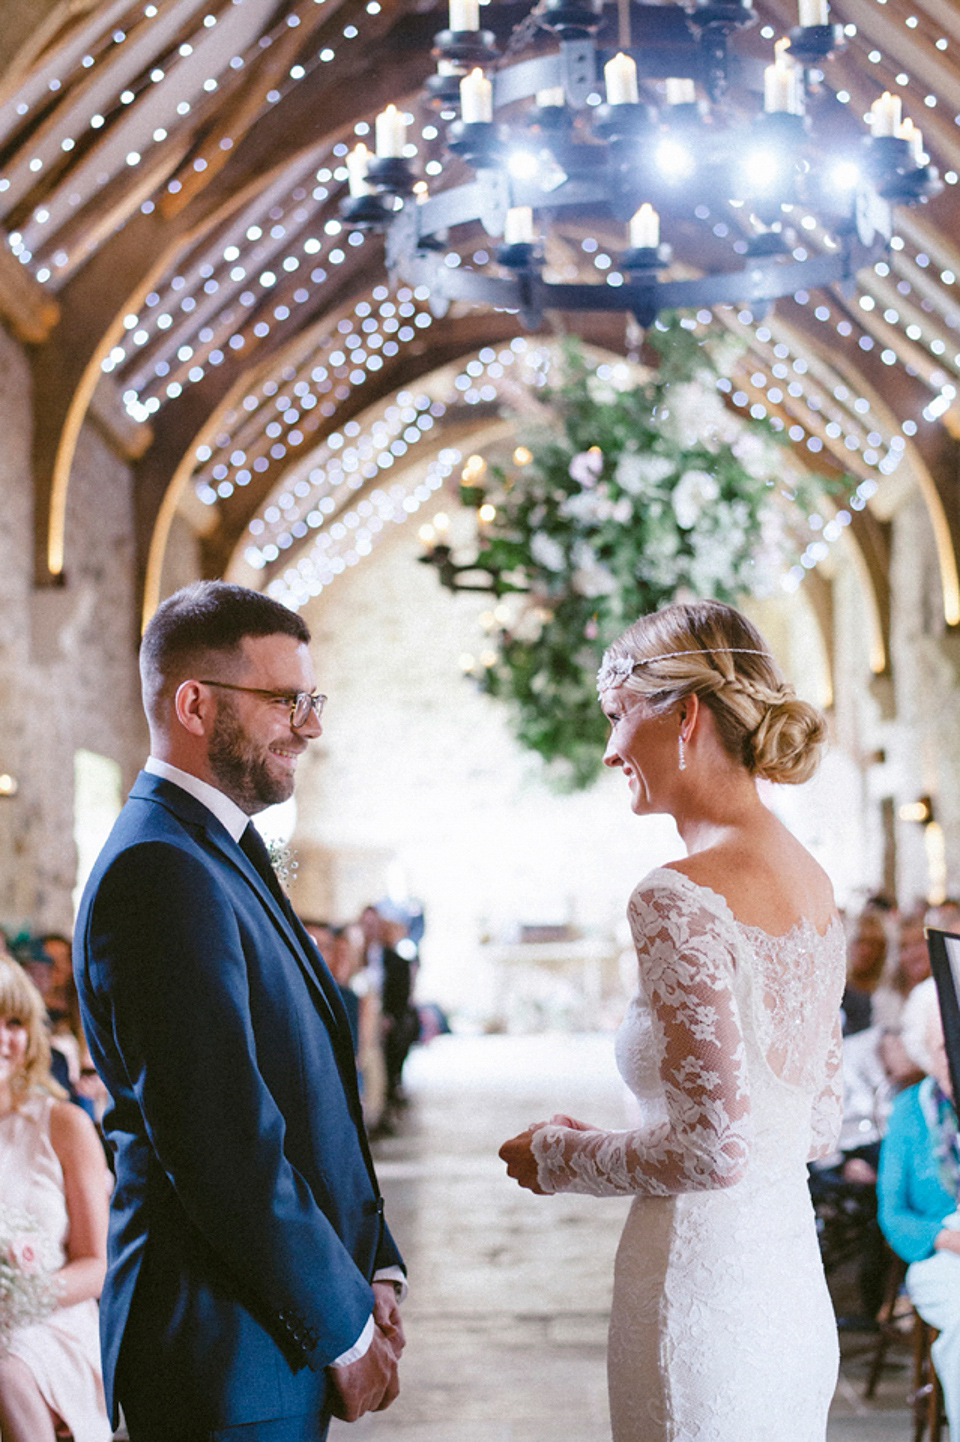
(911, 965)
(867, 955)
(51, 1168)
(917, 1190)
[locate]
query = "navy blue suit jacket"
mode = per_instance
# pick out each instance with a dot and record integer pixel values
(246, 1222)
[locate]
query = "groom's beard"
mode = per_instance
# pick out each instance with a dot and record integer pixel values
(241, 765)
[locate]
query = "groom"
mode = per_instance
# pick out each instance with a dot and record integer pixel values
(252, 1286)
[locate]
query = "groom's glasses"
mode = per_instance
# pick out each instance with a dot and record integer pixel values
(301, 703)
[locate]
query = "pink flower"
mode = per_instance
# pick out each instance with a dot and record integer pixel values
(586, 466)
(591, 629)
(22, 1254)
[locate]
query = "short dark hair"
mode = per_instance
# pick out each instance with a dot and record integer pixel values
(205, 619)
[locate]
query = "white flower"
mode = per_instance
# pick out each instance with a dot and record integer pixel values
(637, 473)
(528, 625)
(693, 491)
(755, 454)
(547, 552)
(590, 576)
(586, 466)
(593, 581)
(601, 392)
(583, 506)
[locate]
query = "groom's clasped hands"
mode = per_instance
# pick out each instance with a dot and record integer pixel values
(372, 1382)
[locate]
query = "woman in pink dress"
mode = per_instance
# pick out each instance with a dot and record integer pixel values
(52, 1168)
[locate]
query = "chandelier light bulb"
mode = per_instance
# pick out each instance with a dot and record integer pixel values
(675, 160)
(762, 169)
(522, 164)
(845, 175)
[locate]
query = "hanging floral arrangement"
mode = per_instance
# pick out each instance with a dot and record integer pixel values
(634, 487)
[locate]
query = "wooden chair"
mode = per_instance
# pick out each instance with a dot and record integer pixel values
(890, 1330)
(926, 1399)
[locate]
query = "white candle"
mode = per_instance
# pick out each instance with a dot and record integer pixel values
(620, 79)
(518, 226)
(914, 137)
(680, 92)
(464, 14)
(645, 228)
(391, 133)
(781, 83)
(553, 97)
(476, 98)
(885, 115)
(814, 12)
(357, 162)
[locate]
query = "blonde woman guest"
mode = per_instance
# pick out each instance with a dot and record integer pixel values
(721, 1326)
(52, 1167)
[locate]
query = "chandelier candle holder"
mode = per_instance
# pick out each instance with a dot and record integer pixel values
(585, 136)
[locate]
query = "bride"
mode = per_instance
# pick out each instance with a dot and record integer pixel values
(722, 1328)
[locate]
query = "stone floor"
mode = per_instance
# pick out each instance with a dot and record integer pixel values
(507, 1313)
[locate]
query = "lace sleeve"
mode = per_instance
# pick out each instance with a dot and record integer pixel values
(828, 1106)
(687, 956)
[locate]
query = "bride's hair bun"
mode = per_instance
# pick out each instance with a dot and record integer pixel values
(712, 651)
(785, 747)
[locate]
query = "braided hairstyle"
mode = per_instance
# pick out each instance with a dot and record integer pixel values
(710, 650)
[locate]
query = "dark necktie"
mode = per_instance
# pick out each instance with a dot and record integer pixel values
(254, 848)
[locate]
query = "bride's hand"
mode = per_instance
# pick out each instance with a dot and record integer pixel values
(521, 1163)
(559, 1120)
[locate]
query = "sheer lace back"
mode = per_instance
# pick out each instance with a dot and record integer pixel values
(796, 1011)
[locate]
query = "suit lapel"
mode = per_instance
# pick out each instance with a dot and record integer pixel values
(198, 817)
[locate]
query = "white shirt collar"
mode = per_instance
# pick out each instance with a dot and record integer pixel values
(227, 812)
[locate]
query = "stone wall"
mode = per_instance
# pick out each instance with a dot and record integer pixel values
(924, 741)
(67, 657)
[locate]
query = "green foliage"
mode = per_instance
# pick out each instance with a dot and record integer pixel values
(642, 489)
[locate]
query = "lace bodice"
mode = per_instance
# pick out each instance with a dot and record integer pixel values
(731, 1045)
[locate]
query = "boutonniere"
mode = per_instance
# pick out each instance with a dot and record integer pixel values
(284, 862)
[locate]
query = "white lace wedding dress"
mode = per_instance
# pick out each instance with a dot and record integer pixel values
(722, 1328)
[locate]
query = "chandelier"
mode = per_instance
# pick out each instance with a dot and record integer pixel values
(650, 140)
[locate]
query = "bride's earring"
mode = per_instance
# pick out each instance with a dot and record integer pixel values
(681, 755)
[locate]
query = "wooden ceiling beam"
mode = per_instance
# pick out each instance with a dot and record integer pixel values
(114, 281)
(182, 425)
(935, 453)
(26, 307)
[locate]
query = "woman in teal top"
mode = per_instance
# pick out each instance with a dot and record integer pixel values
(917, 1191)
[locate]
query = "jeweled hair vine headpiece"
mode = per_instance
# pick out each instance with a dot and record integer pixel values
(620, 668)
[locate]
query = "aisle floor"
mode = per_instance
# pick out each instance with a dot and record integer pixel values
(507, 1314)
